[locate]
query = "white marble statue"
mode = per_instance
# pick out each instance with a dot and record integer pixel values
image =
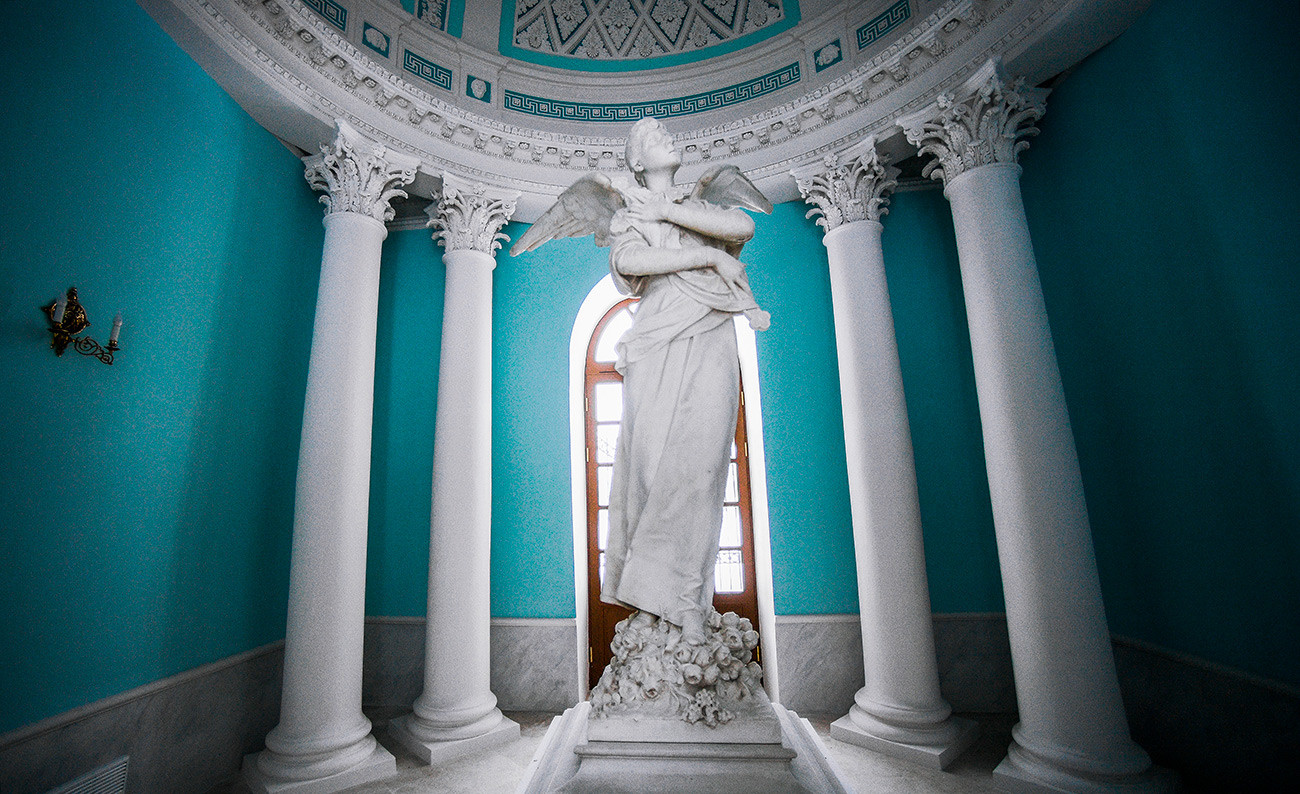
(677, 253)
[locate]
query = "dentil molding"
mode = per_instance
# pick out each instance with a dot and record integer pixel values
(295, 73)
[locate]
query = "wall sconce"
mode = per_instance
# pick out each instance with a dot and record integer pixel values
(68, 318)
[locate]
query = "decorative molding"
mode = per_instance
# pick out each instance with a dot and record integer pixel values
(331, 11)
(827, 56)
(426, 70)
(983, 126)
(358, 175)
(634, 35)
(849, 187)
(319, 73)
(469, 217)
(880, 25)
(663, 108)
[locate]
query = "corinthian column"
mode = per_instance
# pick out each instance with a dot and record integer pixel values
(899, 711)
(457, 712)
(1072, 735)
(323, 742)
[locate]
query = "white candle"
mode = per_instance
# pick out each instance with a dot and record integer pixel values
(117, 329)
(60, 306)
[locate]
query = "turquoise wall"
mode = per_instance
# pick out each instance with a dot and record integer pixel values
(411, 285)
(925, 294)
(1162, 200)
(145, 508)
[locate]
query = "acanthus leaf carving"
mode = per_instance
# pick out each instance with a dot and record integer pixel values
(847, 188)
(982, 128)
(359, 176)
(468, 216)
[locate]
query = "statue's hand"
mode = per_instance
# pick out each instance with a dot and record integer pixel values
(729, 267)
(651, 212)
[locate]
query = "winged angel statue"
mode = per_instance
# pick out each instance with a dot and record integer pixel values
(678, 253)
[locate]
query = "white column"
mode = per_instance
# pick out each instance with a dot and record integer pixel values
(899, 711)
(323, 742)
(457, 712)
(1073, 734)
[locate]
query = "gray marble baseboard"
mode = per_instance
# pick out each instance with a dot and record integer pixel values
(1221, 729)
(533, 663)
(820, 662)
(183, 733)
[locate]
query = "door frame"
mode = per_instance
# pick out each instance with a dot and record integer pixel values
(599, 300)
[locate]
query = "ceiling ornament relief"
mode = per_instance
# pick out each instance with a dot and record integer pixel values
(315, 74)
(631, 31)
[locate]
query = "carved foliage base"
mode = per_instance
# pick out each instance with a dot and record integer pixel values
(655, 673)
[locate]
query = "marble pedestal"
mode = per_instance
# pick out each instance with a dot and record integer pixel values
(768, 749)
(380, 764)
(433, 751)
(954, 737)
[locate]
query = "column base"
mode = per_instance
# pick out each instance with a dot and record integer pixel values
(379, 765)
(1026, 772)
(935, 748)
(406, 730)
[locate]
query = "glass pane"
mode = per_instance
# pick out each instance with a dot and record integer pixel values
(602, 529)
(614, 330)
(606, 441)
(604, 478)
(728, 574)
(609, 401)
(733, 450)
(602, 569)
(730, 528)
(733, 486)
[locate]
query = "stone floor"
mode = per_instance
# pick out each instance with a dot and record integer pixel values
(501, 770)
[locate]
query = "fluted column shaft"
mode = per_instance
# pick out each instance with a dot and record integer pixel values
(457, 713)
(1072, 735)
(899, 710)
(323, 742)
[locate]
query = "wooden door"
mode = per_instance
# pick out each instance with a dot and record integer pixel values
(603, 405)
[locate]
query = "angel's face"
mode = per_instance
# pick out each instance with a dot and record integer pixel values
(658, 152)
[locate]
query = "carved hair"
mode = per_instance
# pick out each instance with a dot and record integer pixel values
(636, 139)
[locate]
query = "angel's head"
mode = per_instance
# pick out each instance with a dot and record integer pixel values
(650, 148)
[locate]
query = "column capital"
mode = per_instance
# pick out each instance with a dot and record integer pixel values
(981, 124)
(359, 175)
(469, 215)
(847, 187)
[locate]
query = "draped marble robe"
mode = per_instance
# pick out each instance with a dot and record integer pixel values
(681, 391)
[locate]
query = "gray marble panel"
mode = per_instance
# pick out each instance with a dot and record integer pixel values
(187, 732)
(974, 657)
(819, 662)
(535, 664)
(392, 666)
(1221, 729)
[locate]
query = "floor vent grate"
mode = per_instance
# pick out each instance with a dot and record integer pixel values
(108, 779)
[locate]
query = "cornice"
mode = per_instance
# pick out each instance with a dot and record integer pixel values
(305, 74)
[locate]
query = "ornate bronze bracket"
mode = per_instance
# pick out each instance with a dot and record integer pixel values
(67, 318)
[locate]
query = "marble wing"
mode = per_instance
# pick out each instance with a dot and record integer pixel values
(586, 207)
(727, 186)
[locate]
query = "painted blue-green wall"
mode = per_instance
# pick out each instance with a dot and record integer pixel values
(925, 295)
(146, 507)
(1162, 200)
(411, 286)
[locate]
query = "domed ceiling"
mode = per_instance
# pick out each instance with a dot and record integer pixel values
(530, 94)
